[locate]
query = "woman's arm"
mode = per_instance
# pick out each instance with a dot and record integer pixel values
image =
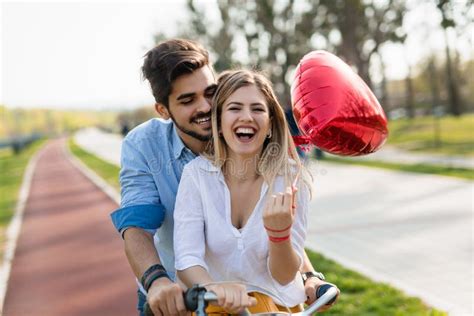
(190, 246)
(194, 275)
(278, 217)
(283, 261)
(188, 235)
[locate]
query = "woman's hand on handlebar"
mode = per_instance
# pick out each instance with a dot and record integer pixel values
(311, 286)
(232, 297)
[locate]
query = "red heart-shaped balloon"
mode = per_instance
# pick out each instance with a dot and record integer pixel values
(334, 107)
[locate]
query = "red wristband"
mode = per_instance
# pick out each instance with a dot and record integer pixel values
(278, 239)
(277, 230)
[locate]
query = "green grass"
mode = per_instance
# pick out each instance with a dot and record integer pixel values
(107, 171)
(360, 296)
(456, 135)
(25, 121)
(12, 168)
(461, 173)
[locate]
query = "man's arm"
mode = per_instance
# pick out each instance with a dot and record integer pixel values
(164, 296)
(140, 250)
(141, 213)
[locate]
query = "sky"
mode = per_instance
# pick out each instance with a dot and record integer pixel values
(88, 54)
(79, 55)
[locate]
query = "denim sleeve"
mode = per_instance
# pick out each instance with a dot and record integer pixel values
(148, 217)
(140, 205)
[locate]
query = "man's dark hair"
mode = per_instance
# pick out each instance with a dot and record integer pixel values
(169, 60)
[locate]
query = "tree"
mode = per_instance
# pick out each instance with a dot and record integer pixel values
(445, 7)
(257, 34)
(362, 27)
(410, 94)
(275, 35)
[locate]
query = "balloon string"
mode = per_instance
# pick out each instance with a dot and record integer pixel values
(303, 142)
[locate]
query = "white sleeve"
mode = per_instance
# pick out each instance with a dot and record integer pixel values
(300, 225)
(189, 239)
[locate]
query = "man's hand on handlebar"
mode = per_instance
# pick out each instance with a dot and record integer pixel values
(232, 297)
(311, 286)
(166, 298)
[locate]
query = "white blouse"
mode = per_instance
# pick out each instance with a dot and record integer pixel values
(204, 235)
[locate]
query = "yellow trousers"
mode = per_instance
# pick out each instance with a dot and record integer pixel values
(264, 304)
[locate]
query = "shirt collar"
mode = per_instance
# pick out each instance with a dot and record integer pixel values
(177, 143)
(209, 166)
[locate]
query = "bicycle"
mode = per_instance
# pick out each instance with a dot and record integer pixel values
(197, 298)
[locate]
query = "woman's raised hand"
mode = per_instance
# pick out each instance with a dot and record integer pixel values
(232, 297)
(279, 214)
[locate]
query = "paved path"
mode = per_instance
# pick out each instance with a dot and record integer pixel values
(395, 155)
(411, 230)
(69, 260)
(105, 145)
(92, 139)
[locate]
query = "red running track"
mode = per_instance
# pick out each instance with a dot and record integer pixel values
(69, 259)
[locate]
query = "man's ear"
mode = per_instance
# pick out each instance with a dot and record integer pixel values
(162, 111)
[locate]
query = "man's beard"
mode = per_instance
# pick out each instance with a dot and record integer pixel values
(202, 138)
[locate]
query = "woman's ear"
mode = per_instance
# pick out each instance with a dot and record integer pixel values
(162, 111)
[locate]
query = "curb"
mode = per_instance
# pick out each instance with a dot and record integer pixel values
(14, 228)
(91, 175)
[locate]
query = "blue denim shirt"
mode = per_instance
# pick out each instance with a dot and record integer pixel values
(152, 160)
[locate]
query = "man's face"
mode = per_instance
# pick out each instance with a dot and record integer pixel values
(190, 104)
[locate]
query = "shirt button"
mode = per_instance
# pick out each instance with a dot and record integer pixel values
(240, 244)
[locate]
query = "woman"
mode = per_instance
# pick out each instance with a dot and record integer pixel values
(238, 217)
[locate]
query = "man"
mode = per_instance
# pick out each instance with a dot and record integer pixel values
(153, 157)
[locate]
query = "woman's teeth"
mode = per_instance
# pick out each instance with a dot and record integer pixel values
(245, 130)
(245, 133)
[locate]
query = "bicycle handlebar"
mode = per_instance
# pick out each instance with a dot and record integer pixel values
(197, 298)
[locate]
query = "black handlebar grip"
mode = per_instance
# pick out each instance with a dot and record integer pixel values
(191, 297)
(323, 289)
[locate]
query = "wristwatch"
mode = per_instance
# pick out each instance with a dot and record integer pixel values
(312, 274)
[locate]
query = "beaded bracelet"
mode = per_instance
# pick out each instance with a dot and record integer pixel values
(154, 276)
(151, 274)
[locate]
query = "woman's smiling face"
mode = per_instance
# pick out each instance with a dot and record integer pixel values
(245, 121)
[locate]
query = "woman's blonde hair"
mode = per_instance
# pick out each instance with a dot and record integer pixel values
(279, 156)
